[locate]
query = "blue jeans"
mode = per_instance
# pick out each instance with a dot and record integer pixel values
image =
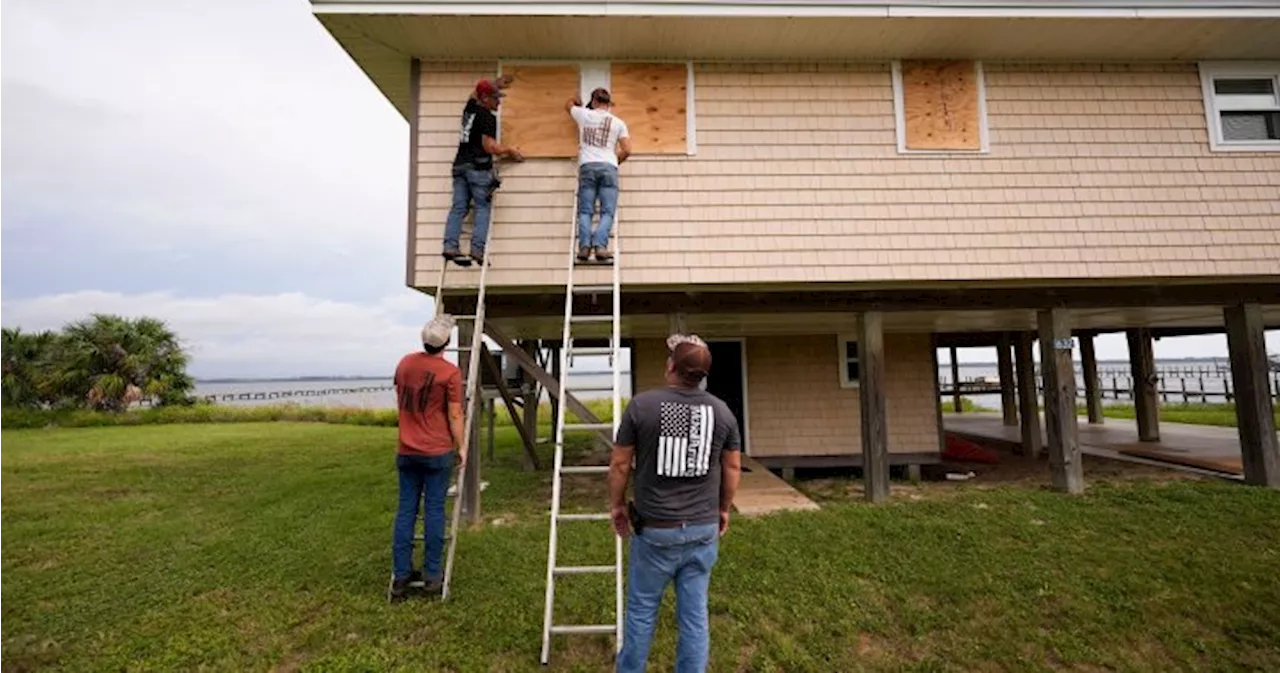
(596, 180)
(469, 186)
(420, 476)
(658, 556)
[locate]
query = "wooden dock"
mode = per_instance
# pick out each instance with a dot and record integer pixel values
(1201, 447)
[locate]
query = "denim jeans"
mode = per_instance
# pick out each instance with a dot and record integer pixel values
(469, 186)
(421, 477)
(658, 556)
(596, 180)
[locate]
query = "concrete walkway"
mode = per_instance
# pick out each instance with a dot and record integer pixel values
(1203, 447)
(763, 492)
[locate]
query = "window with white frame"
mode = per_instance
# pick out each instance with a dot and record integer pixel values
(940, 106)
(1242, 105)
(847, 361)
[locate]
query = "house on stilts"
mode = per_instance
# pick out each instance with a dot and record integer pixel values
(830, 192)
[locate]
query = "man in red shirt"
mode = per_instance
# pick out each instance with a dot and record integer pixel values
(429, 398)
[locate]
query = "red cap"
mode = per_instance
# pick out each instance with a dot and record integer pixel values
(487, 88)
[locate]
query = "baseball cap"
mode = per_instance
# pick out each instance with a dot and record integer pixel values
(437, 331)
(486, 87)
(692, 361)
(601, 94)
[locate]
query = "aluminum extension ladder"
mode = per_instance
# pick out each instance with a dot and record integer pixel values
(567, 353)
(471, 405)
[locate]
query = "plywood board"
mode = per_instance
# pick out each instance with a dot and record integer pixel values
(652, 98)
(533, 116)
(940, 105)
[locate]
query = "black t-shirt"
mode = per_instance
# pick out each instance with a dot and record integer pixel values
(679, 435)
(477, 122)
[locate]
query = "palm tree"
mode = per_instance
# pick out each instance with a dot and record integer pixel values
(27, 368)
(110, 362)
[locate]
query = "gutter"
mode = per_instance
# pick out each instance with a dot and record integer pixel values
(958, 9)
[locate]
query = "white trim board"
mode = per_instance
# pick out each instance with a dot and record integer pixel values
(900, 120)
(592, 75)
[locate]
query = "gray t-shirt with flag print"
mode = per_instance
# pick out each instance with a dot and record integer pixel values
(679, 435)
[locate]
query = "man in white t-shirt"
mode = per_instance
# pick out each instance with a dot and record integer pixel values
(603, 143)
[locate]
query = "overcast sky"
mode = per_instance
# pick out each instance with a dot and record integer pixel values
(223, 166)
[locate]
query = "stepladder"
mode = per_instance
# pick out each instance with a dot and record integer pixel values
(469, 351)
(581, 333)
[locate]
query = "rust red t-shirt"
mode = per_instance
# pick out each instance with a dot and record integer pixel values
(425, 385)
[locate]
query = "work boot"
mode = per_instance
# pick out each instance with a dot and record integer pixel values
(398, 590)
(454, 255)
(584, 255)
(434, 587)
(603, 255)
(478, 256)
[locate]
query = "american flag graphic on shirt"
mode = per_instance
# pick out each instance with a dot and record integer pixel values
(684, 442)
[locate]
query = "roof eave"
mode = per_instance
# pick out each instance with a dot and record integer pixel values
(1078, 9)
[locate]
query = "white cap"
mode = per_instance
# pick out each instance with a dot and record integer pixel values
(437, 331)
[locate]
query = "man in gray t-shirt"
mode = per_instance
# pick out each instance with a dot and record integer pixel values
(687, 454)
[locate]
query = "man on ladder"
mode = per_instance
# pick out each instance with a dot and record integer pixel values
(429, 399)
(473, 178)
(603, 143)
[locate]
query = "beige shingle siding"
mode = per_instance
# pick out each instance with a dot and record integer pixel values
(796, 407)
(1096, 171)
(650, 364)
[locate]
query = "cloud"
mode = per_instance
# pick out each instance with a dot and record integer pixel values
(241, 335)
(196, 148)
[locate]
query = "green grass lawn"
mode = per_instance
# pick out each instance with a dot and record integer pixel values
(1197, 414)
(261, 546)
(1223, 415)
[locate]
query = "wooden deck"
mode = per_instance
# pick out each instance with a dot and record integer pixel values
(763, 492)
(1196, 446)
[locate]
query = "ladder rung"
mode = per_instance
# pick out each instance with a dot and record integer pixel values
(468, 316)
(588, 426)
(418, 538)
(602, 516)
(600, 350)
(584, 469)
(584, 570)
(592, 318)
(568, 629)
(592, 289)
(592, 389)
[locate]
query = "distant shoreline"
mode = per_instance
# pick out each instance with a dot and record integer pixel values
(387, 377)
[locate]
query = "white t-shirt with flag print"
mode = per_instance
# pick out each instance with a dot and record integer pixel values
(598, 134)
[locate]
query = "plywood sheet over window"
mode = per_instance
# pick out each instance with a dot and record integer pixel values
(533, 116)
(653, 99)
(940, 106)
